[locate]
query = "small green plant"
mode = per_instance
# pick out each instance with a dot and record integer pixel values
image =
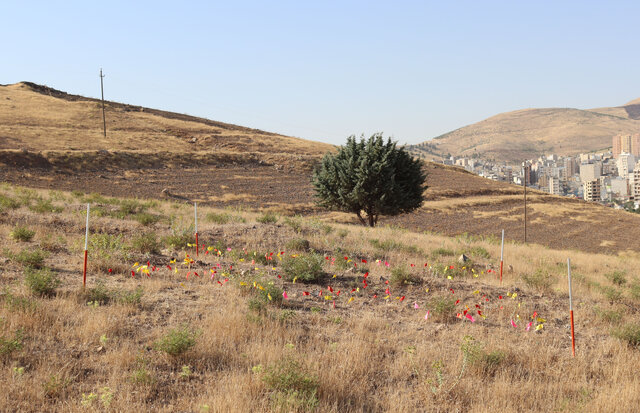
(612, 294)
(629, 333)
(443, 308)
(293, 387)
(219, 219)
(186, 372)
(17, 372)
(42, 282)
(133, 298)
(8, 345)
(103, 340)
(442, 252)
(180, 237)
(492, 361)
(44, 206)
(479, 252)
(22, 233)
(141, 374)
(617, 277)
(298, 244)
(88, 399)
(55, 386)
(343, 233)
(267, 218)
(541, 280)
(471, 352)
(610, 316)
(30, 258)
(8, 202)
(295, 224)
(304, 267)
(99, 294)
(315, 310)
(402, 276)
(177, 341)
(146, 243)
(147, 219)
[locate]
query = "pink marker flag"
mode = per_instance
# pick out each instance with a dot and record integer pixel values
(426, 317)
(415, 305)
(284, 295)
(471, 318)
(513, 324)
(529, 325)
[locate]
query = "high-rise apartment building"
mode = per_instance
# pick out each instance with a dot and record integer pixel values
(626, 143)
(591, 190)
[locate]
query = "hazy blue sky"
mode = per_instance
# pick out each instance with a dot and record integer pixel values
(324, 70)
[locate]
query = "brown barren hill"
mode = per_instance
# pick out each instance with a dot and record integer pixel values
(249, 173)
(528, 133)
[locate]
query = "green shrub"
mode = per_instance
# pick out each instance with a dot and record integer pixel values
(130, 207)
(617, 277)
(44, 206)
(108, 252)
(218, 218)
(443, 308)
(629, 333)
(147, 243)
(295, 224)
(8, 202)
(130, 297)
(402, 276)
(612, 294)
(343, 233)
(492, 361)
(293, 387)
(41, 282)
(179, 238)
(304, 267)
(443, 252)
(34, 259)
(146, 218)
(98, 294)
(542, 279)
(258, 258)
(22, 233)
(610, 316)
(177, 341)
(479, 252)
(298, 244)
(267, 218)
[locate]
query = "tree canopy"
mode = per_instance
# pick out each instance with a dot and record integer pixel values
(370, 178)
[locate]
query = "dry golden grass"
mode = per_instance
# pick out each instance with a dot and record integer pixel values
(38, 122)
(365, 355)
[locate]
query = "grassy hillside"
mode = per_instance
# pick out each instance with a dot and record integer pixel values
(233, 329)
(38, 118)
(529, 133)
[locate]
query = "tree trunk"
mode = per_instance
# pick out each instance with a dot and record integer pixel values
(361, 219)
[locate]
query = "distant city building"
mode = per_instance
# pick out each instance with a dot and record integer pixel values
(636, 182)
(625, 164)
(591, 190)
(554, 186)
(619, 187)
(571, 167)
(626, 143)
(590, 171)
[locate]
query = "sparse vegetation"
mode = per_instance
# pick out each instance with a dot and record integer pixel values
(147, 243)
(401, 276)
(42, 282)
(30, 258)
(267, 218)
(304, 267)
(177, 341)
(22, 233)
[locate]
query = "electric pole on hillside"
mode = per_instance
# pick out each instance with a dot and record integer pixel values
(525, 168)
(104, 119)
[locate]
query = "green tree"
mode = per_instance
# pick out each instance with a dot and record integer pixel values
(370, 178)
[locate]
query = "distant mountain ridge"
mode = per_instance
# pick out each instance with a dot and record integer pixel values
(528, 133)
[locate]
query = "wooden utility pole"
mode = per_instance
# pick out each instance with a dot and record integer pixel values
(524, 183)
(104, 119)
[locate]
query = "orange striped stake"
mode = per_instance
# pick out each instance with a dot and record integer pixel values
(573, 338)
(195, 213)
(86, 245)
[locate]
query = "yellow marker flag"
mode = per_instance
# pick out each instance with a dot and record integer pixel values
(294, 279)
(514, 295)
(328, 297)
(135, 265)
(335, 275)
(243, 283)
(539, 327)
(350, 299)
(426, 290)
(476, 292)
(269, 296)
